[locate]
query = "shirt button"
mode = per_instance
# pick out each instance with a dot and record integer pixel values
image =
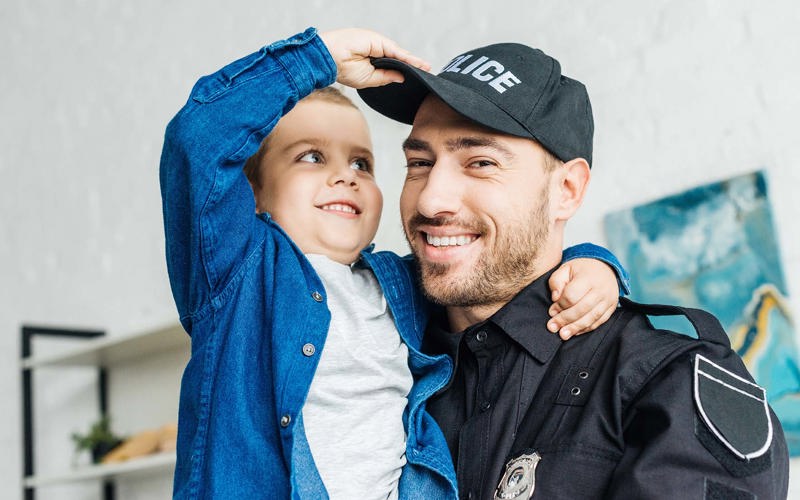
(316, 296)
(285, 420)
(309, 349)
(485, 405)
(481, 336)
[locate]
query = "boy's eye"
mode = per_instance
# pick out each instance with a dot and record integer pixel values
(361, 164)
(311, 157)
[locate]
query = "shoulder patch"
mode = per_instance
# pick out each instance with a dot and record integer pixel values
(734, 409)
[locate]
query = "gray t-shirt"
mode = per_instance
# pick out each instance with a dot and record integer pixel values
(353, 414)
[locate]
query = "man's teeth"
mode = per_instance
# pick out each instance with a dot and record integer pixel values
(449, 241)
(339, 207)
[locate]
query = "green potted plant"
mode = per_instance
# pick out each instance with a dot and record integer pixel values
(99, 440)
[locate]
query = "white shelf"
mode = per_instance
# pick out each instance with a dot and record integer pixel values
(107, 351)
(151, 463)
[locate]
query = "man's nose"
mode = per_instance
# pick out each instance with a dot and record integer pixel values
(441, 194)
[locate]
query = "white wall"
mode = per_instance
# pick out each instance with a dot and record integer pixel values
(684, 92)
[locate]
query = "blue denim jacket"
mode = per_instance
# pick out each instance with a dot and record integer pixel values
(251, 301)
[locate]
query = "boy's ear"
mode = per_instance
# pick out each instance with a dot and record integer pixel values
(256, 195)
(252, 172)
(573, 181)
(254, 189)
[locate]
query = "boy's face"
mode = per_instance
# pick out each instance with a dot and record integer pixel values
(317, 180)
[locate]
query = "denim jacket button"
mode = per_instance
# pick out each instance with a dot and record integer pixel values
(285, 420)
(309, 349)
(316, 296)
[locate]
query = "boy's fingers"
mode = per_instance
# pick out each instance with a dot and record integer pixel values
(577, 307)
(379, 77)
(567, 316)
(588, 322)
(575, 292)
(386, 47)
(582, 301)
(389, 48)
(570, 306)
(606, 315)
(572, 287)
(601, 317)
(558, 280)
(352, 49)
(585, 316)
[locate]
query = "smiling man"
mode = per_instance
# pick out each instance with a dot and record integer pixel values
(498, 160)
(499, 236)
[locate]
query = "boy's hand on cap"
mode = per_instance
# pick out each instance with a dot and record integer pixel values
(352, 49)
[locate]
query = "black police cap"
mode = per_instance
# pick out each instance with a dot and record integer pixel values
(508, 87)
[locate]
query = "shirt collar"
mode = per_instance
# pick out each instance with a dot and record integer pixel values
(438, 339)
(525, 317)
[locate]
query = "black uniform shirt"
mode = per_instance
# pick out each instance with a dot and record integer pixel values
(499, 365)
(610, 414)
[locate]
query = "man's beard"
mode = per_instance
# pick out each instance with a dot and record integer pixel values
(500, 272)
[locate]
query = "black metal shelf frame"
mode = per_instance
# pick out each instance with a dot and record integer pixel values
(27, 335)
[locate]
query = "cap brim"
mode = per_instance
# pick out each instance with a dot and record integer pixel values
(400, 101)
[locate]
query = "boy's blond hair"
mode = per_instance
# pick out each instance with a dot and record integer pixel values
(252, 167)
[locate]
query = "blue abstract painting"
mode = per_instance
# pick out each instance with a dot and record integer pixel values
(714, 247)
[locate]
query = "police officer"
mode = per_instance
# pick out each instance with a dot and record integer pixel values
(498, 160)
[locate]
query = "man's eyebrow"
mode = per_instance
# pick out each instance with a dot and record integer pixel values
(412, 144)
(459, 143)
(478, 142)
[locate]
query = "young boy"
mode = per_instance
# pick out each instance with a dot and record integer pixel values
(265, 412)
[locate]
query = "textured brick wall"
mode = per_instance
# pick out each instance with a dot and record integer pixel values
(684, 92)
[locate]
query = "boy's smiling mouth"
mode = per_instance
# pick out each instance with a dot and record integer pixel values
(341, 207)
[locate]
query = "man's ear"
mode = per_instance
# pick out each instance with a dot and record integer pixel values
(573, 180)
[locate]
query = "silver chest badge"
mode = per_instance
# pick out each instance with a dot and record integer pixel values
(519, 478)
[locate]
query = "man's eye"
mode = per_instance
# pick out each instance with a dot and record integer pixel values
(311, 157)
(418, 163)
(482, 163)
(361, 164)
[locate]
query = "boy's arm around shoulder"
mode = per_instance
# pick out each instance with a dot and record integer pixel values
(585, 289)
(208, 205)
(592, 251)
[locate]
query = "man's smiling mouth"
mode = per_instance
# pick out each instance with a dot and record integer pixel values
(450, 241)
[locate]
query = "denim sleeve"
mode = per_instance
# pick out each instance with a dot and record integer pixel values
(592, 251)
(208, 205)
